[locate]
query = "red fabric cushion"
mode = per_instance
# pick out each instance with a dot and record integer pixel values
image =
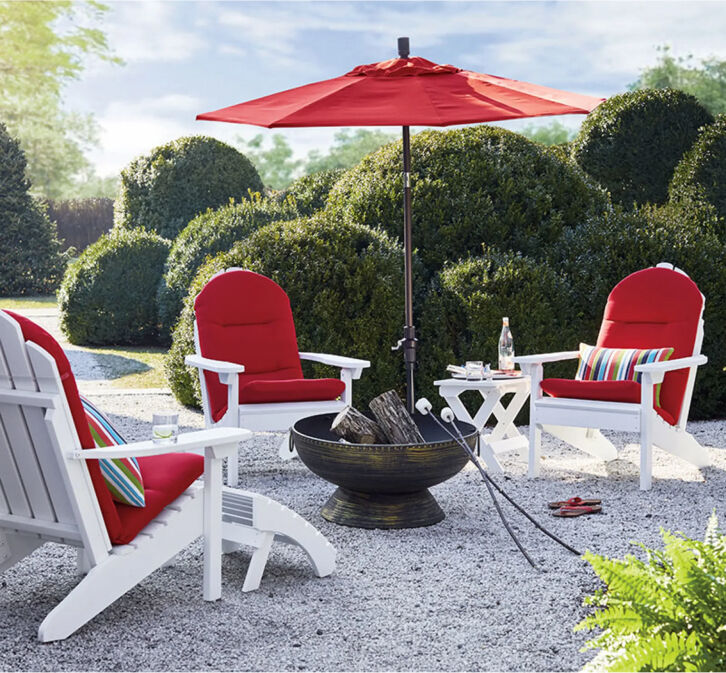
(655, 308)
(36, 334)
(246, 318)
(166, 477)
(291, 390)
(607, 391)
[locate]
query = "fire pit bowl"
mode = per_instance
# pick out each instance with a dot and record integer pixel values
(382, 485)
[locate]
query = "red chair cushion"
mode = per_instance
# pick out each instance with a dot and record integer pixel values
(166, 477)
(655, 308)
(246, 318)
(291, 390)
(606, 391)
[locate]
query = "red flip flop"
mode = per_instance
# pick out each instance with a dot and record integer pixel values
(574, 502)
(569, 511)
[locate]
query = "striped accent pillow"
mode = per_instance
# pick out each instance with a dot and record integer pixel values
(122, 475)
(618, 364)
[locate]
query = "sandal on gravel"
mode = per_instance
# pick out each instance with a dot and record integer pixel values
(574, 502)
(578, 510)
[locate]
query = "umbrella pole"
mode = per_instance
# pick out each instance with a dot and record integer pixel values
(409, 331)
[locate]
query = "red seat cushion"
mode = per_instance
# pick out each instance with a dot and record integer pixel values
(606, 391)
(246, 318)
(165, 477)
(291, 390)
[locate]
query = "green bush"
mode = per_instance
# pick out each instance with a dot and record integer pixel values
(311, 191)
(664, 613)
(206, 235)
(108, 293)
(163, 190)
(631, 143)
(30, 253)
(700, 177)
(605, 249)
(469, 186)
(462, 317)
(345, 284)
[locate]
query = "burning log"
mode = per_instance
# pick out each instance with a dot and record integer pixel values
(353, 426)
(394, 419)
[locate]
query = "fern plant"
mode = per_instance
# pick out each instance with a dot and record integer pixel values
(664, 613)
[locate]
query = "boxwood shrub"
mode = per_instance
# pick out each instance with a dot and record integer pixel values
(469, 186)
(700, 177)
(606, 249)
(206, 235)
(163, 190)
(631, 143)
(310, 192)
(345, 286)
(30, 253)
(108, 294)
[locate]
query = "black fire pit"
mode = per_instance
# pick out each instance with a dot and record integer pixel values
(382, 485)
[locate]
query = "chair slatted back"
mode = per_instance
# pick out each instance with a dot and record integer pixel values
(44, 492)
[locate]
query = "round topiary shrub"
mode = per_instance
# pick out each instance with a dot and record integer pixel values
(108, 294)
(700, 177)
(30, 253)
(470, 186)
(345, 284)
(606, 249)
(462, 316)
(310, 192)
(163, 190)
(631, 143)
(206, 235)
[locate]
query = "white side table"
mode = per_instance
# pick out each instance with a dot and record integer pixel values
(504, 436)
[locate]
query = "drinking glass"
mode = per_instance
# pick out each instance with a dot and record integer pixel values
(474, 369)
(165, 427)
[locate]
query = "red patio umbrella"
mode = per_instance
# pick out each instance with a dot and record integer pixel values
(405, 92)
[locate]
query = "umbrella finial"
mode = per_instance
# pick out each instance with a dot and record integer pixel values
(403, 47)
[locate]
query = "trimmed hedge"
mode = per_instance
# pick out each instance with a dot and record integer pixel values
(163, 190)
(30, 253)
(345, 287)
(81, 222)
(631, 143)
(470, 186)
(206, 235)
(108, 293)
(310, 192)
(700, 177)
(606, 249)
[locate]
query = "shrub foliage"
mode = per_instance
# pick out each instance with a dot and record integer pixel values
(664, 613)
(345, 287)
(81, 222)
(30, 253)
(310, 192)
(631, 143)
(469, 186)
(163, 190)
(108, 294)
(206, 235)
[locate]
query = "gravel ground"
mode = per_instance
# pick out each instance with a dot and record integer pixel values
(453, 597)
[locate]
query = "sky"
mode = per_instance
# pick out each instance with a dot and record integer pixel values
(183, 58)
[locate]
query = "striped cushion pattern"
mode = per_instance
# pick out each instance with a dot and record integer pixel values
(618, 364)
(122, 475)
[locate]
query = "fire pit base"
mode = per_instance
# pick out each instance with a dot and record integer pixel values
(382, 510)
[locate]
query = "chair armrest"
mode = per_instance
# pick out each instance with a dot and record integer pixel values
(671, 365)
(218, 366)
(223, 440)
(336, 361)
(542, 358)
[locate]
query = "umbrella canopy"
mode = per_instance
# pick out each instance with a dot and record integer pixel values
(405, 92)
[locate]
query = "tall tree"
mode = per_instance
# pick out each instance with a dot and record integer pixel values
(44, 46)
(274, 164)
(705, 79)
(348, 148)
(554, 133)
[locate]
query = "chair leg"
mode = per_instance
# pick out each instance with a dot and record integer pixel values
(589, 440)
(287, 450)
(680, 443)
(15, 548)
(258, 562)
(535, 449)
(233, 469)
(646, 452)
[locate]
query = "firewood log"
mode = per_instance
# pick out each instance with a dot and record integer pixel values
(352, 425)
(395, 420)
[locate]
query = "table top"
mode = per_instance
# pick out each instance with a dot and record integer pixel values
(483, 384)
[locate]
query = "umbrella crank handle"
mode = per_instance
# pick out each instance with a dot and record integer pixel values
(399, 345)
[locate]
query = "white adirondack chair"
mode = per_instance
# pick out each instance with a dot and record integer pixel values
(48, 494)
(659, 307)
(249, 364)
